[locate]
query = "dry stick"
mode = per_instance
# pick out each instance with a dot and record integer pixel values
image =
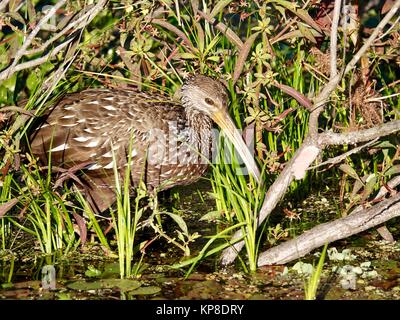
(5, 74)
(331, 138)
(334, 76)
(38, 61)
(279, 187)
(359, 220)
(333, 44)
(332, 231)
(79, 23)
(343, 156)
(3, 4)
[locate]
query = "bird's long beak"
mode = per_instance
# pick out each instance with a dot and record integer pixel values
(225, 122)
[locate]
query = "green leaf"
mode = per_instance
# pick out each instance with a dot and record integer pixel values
(92, 272)
(123, 284)
(392, 170)
(384, 144)
(32, 81)
(369, 186)
(146, 290)
(83, 285)
(178, 219)
(188, 55)
(306, 33)
(303, 15)
(211, 216)
(219, 7)
(350, 171)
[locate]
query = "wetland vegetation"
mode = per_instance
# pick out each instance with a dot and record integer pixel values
(314, 85)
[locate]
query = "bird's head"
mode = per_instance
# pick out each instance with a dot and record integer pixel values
(205, 95)
(209, 97)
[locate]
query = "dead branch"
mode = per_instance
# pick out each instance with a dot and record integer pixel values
(333, 44)
(340, 158)
(5, 74)
(3, 4)
(332, 231)
(331, 138)
(81, 22)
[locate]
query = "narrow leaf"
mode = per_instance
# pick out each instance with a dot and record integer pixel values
(350, 171)
(82, 227)
(303, 15)
(5, 207)
(178, 219)
(300, 98)
(219, 7)
(244, 52)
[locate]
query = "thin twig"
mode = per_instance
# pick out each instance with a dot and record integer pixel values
(5, 74)
(343, 156)
(3, 4)
(334, 36)
(38, 61)
(372, 37)
(79, 23)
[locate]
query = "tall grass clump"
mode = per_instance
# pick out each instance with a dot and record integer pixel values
(239, 198)
(124, 220)
(44, 213)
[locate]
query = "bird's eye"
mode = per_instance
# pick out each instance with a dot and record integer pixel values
(209, 101)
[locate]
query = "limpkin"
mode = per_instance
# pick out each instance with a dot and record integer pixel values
(168, 140)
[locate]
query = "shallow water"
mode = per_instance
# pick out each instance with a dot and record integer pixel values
(366, 267)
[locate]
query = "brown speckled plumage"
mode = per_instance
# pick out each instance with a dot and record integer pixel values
(171, 140)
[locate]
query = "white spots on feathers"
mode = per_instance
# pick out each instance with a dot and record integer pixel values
(81, 120)
(93, 144)
(70, 124)
(110, 165)
(68, 107)
(93, 102)
(109, 98)
(68, 116)
(167, 172)
(133, 153)
(88, 130)
(42, 126)
(82, 139)
(61, 147)
(110, 108)
(107, 155)
(94, 166)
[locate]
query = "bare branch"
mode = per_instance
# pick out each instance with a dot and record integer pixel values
(331, 138)
(82, 21)
(79, 23)
(3, 4)
(373, 36)
(39, 61)
(5, 74)
(334, 36)
(279, 187)
(343, 156)
(332, 231)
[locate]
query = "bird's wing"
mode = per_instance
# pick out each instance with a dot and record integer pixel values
(94, 124)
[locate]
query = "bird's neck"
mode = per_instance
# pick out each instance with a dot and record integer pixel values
(197, 120)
